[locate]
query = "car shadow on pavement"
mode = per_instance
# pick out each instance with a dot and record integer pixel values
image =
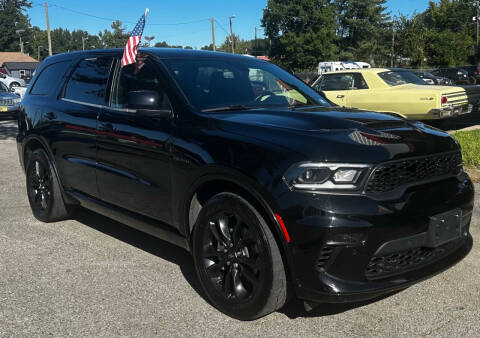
(456, 123)
(143, 241)
(164, 250)
(8, 129)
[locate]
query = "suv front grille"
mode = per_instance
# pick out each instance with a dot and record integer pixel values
(391, 175)
(7, 102)
(403, 261)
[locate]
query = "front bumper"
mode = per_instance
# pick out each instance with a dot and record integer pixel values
(451, 111)
(338, 241)
(9, 111)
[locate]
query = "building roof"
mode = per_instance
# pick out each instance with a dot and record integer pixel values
(15, 57)
(21, 65)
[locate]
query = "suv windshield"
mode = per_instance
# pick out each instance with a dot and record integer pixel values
(396, 78)
(213, 84)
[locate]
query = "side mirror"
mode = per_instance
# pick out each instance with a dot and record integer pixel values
(147, 103)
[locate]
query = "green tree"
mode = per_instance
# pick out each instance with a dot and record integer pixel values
(164, 44)
(363, 29)
(451, 20)
(447, 48)
(12, 18)
(241, 46)
(39, 45)
(207, 47)
(116, 38)
(411, 38)
(455, 16)
(302, 33)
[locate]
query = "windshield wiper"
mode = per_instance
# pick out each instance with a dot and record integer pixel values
(305, 106)
(230, 108)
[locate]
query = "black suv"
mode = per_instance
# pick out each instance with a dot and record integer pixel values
(268, 185)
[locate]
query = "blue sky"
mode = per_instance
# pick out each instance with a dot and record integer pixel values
(180, 22)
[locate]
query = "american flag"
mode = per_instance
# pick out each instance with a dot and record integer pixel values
(130, 52)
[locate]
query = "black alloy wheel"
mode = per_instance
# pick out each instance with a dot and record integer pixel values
(232, 257)
(40, 188)
(237, 259)
(43, 189)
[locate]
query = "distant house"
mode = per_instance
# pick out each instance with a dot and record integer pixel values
(18, 64)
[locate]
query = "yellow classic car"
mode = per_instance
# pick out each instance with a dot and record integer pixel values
(392, 90)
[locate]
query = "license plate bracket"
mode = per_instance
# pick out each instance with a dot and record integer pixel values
(445, 227)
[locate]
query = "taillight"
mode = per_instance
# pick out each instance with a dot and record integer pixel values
(444, 100)
(478, 71)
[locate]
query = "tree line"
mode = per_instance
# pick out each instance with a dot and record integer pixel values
(302, 33)
(13, 18)
(298, 34)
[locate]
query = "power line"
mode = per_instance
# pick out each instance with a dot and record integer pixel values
(131, 22)
(177, 23)
(219, 24)
(86, 14)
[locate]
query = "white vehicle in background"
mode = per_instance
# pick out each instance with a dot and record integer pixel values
(361, 64)
(10, 81)
(332, 66)
(20, 91)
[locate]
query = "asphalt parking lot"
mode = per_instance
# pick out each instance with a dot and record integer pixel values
(96, 277)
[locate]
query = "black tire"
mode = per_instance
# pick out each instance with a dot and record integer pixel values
(247, 279)
(43, 189)
(472, 80)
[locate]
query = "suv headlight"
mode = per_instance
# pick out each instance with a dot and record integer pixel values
(326, 176)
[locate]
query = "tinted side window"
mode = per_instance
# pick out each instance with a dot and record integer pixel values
(342, 81)
(88, 82)
(335, 82)
(138, 76)
(48, 79)
(358, 81)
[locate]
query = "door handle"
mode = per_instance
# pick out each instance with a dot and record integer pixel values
(50, 116)
(106, 127)
(340, 96)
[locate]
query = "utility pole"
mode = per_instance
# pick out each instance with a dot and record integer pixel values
(212, 20)
(478, 26)
(38, 52)
(231, 34)
(83, 42)
(255, 41)
(393, 43)
(19, 32)
(48, 31)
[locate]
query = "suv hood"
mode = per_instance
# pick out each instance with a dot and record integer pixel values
(7, 95)
(337, 134)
